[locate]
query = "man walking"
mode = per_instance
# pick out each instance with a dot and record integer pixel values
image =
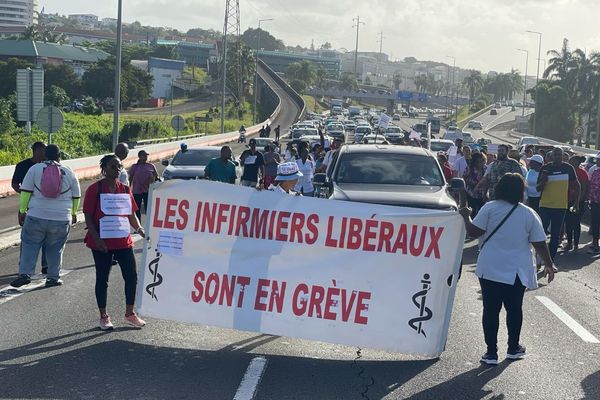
(253, 162)
(49, 200)
(38, 149)
(497, 170)
(553, 182)
(272, 160)
(122, 151)
(142, 175)
(221, 169)
(277, 132)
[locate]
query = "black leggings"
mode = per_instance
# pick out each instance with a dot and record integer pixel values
(494, 296)
(103, 261)
(139, 198)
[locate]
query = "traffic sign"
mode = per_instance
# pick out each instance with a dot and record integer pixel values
(178, 123)
(206, 118)
(50, 119)
(30, 93)
(579, 131)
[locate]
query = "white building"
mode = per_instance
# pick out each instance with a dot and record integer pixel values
(165, 73)
(108, 22)
(89, 21)
(17, 12)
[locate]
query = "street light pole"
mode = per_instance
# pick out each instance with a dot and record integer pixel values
(537, 76)
(525, 79)
(117, 99)
(452, 103)
(255, 90)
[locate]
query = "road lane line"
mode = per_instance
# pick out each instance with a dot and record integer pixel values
(583, 333)
(251, 379)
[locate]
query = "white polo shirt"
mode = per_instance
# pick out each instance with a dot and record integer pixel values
(508, 253)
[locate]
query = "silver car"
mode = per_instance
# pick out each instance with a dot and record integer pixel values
(190, 164)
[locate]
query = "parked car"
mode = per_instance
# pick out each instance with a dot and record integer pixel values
(493, 111)
(374, 139)
(467, 138)
(190, 164)
(525, 140)
(386, 174)
(396, 117)
(261, 143)
(299, 132)
(394, 134)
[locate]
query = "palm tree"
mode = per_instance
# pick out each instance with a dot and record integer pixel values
(474, 84)
(304, 71)
(397, 81)
(560, 62)
(421, 83)
(31, 33)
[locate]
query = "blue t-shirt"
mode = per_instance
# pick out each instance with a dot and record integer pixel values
(220, 171)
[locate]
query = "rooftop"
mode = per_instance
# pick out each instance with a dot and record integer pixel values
(29, 48)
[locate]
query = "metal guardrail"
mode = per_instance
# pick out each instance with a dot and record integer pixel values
(288, 89)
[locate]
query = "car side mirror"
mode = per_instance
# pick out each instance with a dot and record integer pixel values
(320, 179)
(165, 163)
(457, 184)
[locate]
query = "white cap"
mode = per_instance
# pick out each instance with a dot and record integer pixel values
(287, 171)
(537, 158)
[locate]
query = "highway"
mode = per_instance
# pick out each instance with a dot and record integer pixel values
(51, 347)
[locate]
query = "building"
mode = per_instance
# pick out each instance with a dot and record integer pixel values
(165, 73)
(87, 21)
(108, 22)
(279, 61)
(193, 53)
(17, 12)
(40, 53)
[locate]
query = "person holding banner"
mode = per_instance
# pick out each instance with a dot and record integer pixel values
(109, 209)
(505, 265)
(287, 178)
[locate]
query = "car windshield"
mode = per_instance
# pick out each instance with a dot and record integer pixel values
(394, 129)
(362, 129)
(195, 157)
(389, 169)
(440, 146)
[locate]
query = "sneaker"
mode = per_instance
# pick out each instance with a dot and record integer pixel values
(20, 281)
(106, 323)
(489, 359)
(134, 320)
(517, 353)
(53, 282)
(44, 270)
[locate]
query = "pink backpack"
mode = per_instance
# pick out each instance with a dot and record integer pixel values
(51, 180)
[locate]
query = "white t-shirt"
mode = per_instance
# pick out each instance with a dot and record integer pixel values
(305, 182)
(58, 209)
(532, 177)
(124, 177)
(508, 253)
(460, 166)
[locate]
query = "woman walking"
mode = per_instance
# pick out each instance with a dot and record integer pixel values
(473, 174)
(505, 265)
(307, 167)
(533, 195)
(109, 210)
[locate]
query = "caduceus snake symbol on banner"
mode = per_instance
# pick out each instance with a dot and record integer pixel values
(157, 278)
(425, 313)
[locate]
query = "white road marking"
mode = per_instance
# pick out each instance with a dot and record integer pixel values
(252, 377)
(583, 333)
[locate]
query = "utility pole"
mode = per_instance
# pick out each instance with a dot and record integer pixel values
(452, 105)
(525, 79)
(537, 76)
(231, 28)
(357, 22)
(117, 99)
(380, 34)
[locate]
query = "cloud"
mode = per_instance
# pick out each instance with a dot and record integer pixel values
(481, 34)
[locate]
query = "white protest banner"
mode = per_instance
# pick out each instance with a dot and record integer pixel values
(115, 203)
(341, 272)
(384, 120)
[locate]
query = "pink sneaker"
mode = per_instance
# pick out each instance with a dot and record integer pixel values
(106, 324)
(134, 320)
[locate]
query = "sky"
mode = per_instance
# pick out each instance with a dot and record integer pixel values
(480, 34)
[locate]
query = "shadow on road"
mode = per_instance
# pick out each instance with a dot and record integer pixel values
(591, 386)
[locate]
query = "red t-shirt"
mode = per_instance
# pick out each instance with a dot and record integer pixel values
(91, 205)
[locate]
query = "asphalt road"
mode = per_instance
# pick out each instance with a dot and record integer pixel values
(51, 348)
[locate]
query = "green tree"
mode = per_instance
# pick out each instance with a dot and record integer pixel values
(304, 70)
(554, 118)
(267, 41)
(474, 83)
(8, 75)
(161, 51)
(63, 76)
(348, 82)
(298, 85)
(397, 81)
(56, 96)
